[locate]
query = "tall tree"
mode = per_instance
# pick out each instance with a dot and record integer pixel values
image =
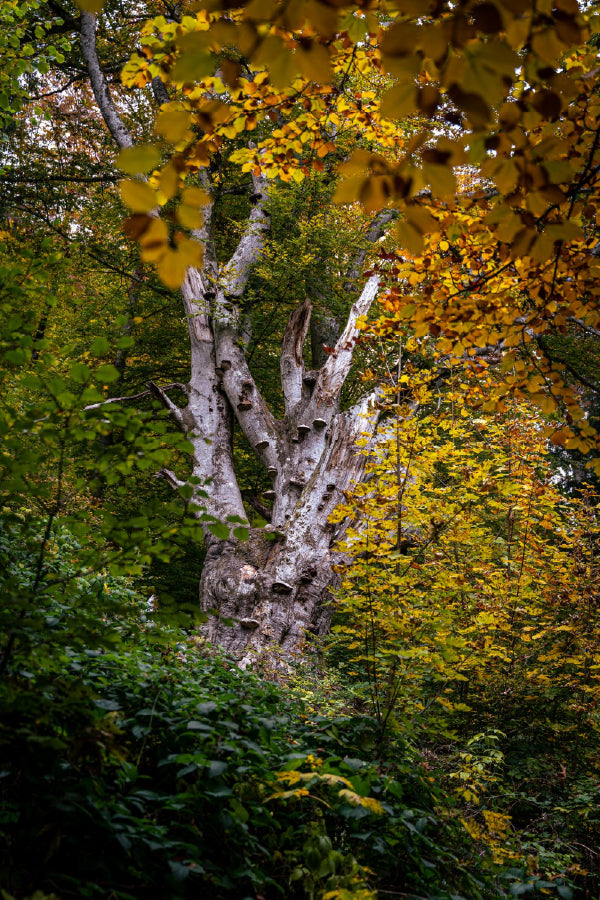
(271, 581)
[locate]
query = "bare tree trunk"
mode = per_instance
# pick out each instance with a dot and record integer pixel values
(276, 585)
(273, 586)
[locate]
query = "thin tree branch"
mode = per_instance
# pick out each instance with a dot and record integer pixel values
(375, 231)
(133, 397)
(584, 326)
(237, 271)
(171, 478)
(250, 408)
(76, 179)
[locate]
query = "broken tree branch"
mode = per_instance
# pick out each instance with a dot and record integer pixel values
(171, 478)
(375, 231)
(335, 371)
(166, 401)
(291, 363)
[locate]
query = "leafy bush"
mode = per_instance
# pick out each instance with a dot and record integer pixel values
(152, 772)
(135, 764)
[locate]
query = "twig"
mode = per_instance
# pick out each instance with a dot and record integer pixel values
(140, 396)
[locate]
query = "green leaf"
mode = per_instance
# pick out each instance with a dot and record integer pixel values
(109, 705)
(564, 891)
(107, 374)
(79, 373)
(219, 530)
(100, 346)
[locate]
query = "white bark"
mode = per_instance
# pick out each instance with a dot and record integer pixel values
(274, 584)
(291, 364)
(99, 83)
(335, 371)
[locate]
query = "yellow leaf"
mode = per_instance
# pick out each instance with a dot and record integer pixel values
(195, 196)
(168, 181)
(355, 799)
(441, 179)
(400, 39)
(359, 162)
(506, 176)
(135, 160)
(191, 251)
(171, 268)
(154, 241)
(409, 237)
(565, 231)
(508, 227)
(422, 220)
(315, 63)
(323, 16)
(281, 63)
(91, 6)
(261, 9)
(400, 101)
(192, 66)
(189, 217)
(137, 196)
(348, 190)
(173, 124)
(375, 192)
(547, 45)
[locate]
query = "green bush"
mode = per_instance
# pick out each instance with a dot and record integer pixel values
(135, 764)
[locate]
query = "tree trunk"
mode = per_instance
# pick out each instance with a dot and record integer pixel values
(276, 585)
(272, 589)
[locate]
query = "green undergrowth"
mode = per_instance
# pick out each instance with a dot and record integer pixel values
(134, 763)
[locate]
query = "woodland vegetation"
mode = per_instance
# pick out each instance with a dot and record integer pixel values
(299, 396)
